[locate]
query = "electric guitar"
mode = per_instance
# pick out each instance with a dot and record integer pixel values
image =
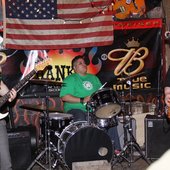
(131, 8)
(119, 9)
(17, 87)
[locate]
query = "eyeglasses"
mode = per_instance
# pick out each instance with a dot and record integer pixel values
(82, 62)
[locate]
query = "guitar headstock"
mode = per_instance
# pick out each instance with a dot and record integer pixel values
(41, 65)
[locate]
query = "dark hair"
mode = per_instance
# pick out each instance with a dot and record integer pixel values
(75, 60)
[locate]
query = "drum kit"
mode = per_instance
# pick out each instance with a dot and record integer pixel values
(66, 142)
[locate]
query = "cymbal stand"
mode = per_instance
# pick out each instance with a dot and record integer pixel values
(47, 149)
(90, 108)
(159, 94)
(124, 115)
(131, 144)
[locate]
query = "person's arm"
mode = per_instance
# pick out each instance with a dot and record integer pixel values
(4, 89)
(167, 101)
(167, 96)
(13, 95)
(167, 88)
(73, 99)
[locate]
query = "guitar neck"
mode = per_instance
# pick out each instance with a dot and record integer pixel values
(22, 82)
(17, 87)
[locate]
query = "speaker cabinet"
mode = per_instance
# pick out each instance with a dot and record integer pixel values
(157, 136)
(21, 147)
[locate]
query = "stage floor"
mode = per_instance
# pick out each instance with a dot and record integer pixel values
(138, 165)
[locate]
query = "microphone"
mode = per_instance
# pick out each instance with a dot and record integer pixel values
(167, 34)
(129, 82)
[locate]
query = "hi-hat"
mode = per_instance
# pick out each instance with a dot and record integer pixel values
(39, 108)
(45, 82)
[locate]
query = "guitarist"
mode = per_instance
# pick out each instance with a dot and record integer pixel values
(5, 159)
(167, 92)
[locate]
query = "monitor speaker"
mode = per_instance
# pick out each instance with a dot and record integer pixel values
(157, 136)
(21, 147)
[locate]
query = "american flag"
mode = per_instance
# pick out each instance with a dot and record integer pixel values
(56, 24)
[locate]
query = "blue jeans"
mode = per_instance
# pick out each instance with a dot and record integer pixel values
(78, 115)
(5, 159)
(113, 133)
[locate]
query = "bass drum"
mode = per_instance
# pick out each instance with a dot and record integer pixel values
(83, 142)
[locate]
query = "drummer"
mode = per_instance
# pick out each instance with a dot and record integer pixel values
(76, 92)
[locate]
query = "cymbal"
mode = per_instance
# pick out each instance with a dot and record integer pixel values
(45, 82)
(130, 77)
(130, 100)
(39, 108)
(60, 116)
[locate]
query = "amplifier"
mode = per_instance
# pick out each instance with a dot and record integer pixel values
(22, 146)
(157, 136)
(39, 91)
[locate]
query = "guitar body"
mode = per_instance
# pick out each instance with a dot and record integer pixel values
(20, 84)
(3, 115)
(3, 111)
(132, 8)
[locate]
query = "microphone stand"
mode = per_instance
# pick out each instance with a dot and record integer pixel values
(131, 145)
(158, 103)
(47, 151)
(124, 116)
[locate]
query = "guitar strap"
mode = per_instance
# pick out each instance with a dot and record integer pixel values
(11, 118)
(0, 79)
(135, 4)
(0, 76)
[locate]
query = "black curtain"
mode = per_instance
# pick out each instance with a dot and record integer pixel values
(150, 4)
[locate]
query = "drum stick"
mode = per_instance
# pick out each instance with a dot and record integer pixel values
(103, 85)
(99, 89)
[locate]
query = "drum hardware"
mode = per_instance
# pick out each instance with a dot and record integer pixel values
(130, 145)
(48, 151)
(159, 94)
(90, 107)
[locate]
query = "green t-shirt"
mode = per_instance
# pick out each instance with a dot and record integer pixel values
(79, 86)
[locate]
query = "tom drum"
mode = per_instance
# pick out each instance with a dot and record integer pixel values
(57, 122)
(106, 103)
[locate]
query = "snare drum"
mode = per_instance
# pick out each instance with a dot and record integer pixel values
(106, 123)
(83, 142)
(106, 103)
